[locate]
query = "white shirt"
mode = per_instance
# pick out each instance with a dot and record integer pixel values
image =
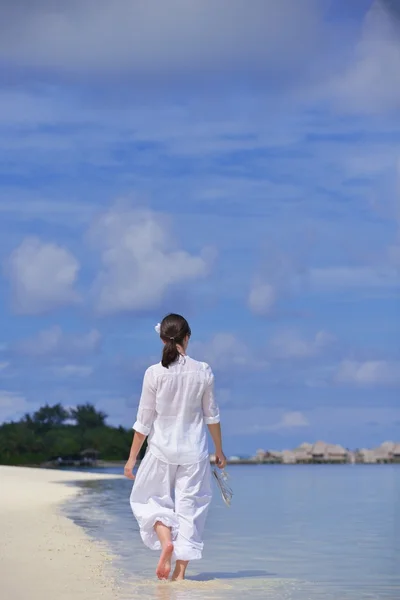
(175, 406)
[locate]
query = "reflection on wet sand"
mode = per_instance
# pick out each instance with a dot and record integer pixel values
(214, 589)
(192, 590)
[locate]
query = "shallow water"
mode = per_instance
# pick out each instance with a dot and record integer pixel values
(292, 533)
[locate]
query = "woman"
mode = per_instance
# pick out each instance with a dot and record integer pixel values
(172, 491)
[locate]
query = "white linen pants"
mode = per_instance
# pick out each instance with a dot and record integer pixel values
(176, 495)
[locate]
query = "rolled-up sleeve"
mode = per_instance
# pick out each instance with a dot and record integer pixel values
(147, 405)
(210, 406)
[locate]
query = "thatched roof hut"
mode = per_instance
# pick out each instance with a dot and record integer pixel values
(396, 452)
(288, 457)
(318, 450)
(305, 446)
(302, 455)
(335, 452)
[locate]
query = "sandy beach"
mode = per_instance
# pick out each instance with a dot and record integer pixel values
(44, 555)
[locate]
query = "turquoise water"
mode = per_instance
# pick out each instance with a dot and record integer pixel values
(293, 532)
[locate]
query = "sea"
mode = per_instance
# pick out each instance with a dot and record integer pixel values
(292, 532)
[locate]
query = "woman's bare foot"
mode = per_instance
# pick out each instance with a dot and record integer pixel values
(180, 570)
(164, 564)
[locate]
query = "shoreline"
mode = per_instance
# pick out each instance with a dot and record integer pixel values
(44, 554)
(231, 463)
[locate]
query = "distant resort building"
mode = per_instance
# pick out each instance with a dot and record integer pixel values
(324, 453)
(388, 452)
(306, 453)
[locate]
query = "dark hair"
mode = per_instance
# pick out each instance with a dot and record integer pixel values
(173, 331)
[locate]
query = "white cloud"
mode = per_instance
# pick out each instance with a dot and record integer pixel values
(154, 37)
(290, 344)
(289, 420)
(293, 419)
(73, 371)
(262, 298)
(226, 351)
(54, 342)
(12, 405)
(372, 81)
(347, 278)
(42, 276)
(368, 373)
(271, 282)
(140, 261)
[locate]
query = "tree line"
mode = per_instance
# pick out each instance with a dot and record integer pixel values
(54, 431)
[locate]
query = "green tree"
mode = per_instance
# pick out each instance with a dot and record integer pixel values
(44, 435)
(62, 441)
(20, 445)
(87, 417)
(48, 417)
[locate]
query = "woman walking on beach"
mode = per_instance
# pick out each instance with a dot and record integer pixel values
(172, 490)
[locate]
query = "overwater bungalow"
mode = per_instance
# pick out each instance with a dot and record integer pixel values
(388, 452)
(306, 453)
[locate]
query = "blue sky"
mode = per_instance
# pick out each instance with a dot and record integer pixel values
(241, 166)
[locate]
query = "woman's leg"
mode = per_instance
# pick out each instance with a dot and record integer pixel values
(153, 506)
(180, 570)
(192, 498)
(164, 564)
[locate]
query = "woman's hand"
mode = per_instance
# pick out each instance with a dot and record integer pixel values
(128, 469)
(220, 459)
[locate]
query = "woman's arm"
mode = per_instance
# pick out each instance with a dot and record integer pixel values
(216, 434)
(212, 419)
(144, 421)
(137, 443)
